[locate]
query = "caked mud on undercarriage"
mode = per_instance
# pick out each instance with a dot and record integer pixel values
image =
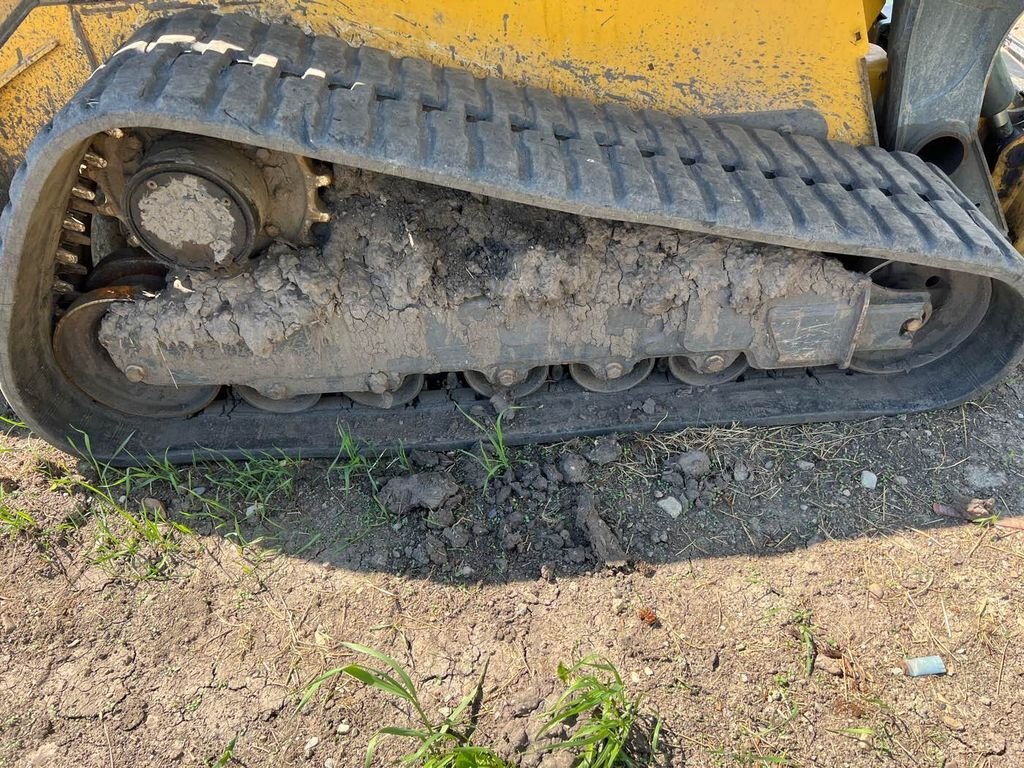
(239, 238)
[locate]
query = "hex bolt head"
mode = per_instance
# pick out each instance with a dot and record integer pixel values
(272, 230)
(263, 154)
(714, 363)
(506, 377)
(134, 373)
(614, 370)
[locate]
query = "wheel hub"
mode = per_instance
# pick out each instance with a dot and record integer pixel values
(197, 206)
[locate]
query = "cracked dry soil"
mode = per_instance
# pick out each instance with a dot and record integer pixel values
(774, 529)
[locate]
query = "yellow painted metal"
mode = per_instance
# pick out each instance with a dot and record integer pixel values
(685, 56)
(871, 10)
(1008, 179)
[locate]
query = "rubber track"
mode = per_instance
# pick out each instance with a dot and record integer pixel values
(361, 107)
(234, 78)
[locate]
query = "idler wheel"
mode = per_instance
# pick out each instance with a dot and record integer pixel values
(86, 364)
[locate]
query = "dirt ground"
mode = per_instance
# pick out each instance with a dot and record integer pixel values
(764, 602)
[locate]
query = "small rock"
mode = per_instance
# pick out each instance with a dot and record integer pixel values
(618, 606)
(427, 459)
(574, 468)
(428, 490)
(901, 480)
(153, 506)
(457, 536)
(547, 570)
(576, 555)
(525, 703)
(869, 480)
(329, 763)
(693, 463)
(511, 540)
(419, 554)
(343, 729)
(648, 407)
(605, 451)
(310, 747)
(606, 546)
(550, 471)
(740, 473)
(953, 723)
(435, 550)
(671, 506)
(199, 490)
(877, 590)
(980, 477)
(441, 518)
(805, 465)
(252, 513)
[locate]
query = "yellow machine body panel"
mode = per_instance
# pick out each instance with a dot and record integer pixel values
(681, 56)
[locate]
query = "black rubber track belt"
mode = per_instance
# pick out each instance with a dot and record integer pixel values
(234, 78)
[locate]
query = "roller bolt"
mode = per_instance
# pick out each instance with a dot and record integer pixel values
(714, 363)
(134, 373)
(378, 383)
(272, 230)
(613, 370)
(507, 377)
(263, 154)
(913, 326)
(277, 392)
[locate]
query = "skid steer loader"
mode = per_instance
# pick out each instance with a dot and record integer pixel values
(243, 226)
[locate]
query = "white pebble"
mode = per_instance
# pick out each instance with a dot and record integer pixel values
(868, 479)
(310, 747)
(671, 506)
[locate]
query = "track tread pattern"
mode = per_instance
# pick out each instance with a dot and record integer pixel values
(363, 107)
